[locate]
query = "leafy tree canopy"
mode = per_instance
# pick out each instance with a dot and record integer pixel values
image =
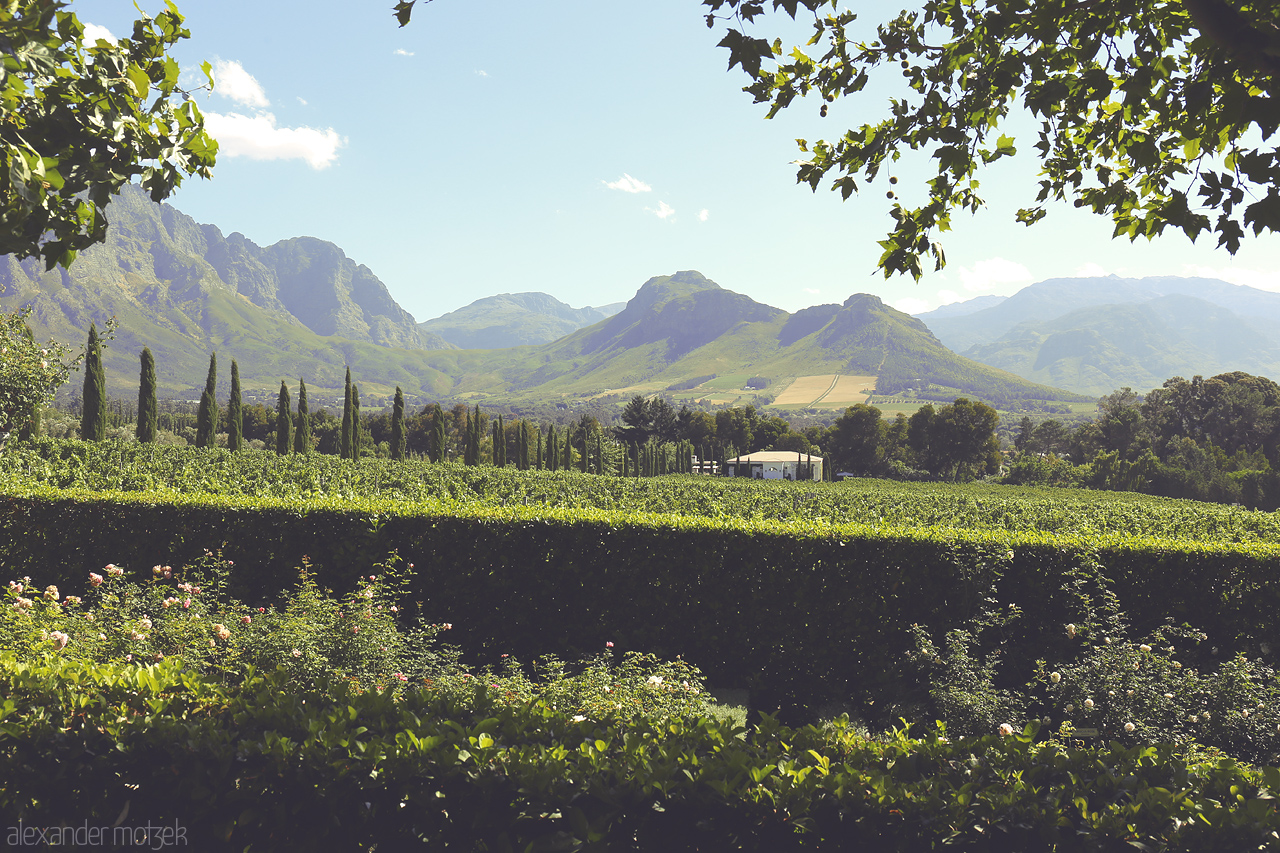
(80, 119)
(1157, 114)
(29, 372)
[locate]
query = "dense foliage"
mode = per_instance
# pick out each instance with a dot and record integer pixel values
(81, 119)
(262, 765)
(1141, 106)
(29, 372)
(1212, 439)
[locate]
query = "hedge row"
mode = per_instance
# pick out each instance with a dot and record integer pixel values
(134, 467)
(801, 613)
(171, 759)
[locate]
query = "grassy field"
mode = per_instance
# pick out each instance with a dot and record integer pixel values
(825, 391)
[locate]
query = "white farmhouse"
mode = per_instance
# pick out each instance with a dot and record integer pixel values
(775, 465)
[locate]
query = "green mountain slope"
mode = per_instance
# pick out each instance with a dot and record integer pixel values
(514, 319)
(300, 307)
(686, 325)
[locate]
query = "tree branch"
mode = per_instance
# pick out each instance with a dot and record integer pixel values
(1257, 45)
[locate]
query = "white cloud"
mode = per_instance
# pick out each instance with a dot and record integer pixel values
(812, 291)
(663, 211)
(93, 32)
(629, 184)
(992, 273)
(239, 85)
(912, 305)
(702, 217)
(482, 73)
(402, 52)
(1261, 279)
(1091, 270)
(258, 138)
(917, 305)
(302, 101)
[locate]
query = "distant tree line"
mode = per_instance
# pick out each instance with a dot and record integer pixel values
(1215, 439)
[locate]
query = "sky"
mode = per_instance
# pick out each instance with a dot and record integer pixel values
(579, 148)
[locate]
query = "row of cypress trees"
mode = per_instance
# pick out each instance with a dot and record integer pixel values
(288, 439)
(294, 435)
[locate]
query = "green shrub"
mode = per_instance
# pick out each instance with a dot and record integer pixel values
(365, 639)
(260, 765)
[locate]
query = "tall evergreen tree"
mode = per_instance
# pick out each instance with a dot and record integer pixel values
(397, 426)
(235, 412)
(344, 449)
(568, 448)
(284, 422)
(302, 432)
(466, 443)
(522, 457)
(499, 444)
(537, 442)
(93, 415)
(146, 429)
(438, 449)
(207, 415)
(475, 436)
(357, 435)
(552, 457)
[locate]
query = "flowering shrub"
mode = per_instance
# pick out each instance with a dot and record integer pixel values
(1160, 688)
(365, 639)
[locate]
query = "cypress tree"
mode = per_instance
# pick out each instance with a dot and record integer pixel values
(568, 449)
(284, 422)
(146, 429)
(522, 458)
(475, 437)
(584, 461)
(501, 450)
(93, 417)
(207, 415)
(344, 449)
(437, 433)
(235, 412)
(466, 443)
(302, 435)
(551, 448)
(397, 426)
(356, 433)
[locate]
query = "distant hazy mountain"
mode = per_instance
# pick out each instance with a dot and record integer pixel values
(1093, 335)
(959, 309)
(514, 319)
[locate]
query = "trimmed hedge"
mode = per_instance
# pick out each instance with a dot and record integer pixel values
(261, 767)
(800, 612)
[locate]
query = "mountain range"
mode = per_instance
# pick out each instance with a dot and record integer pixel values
(300, 307)
(1094, 335)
